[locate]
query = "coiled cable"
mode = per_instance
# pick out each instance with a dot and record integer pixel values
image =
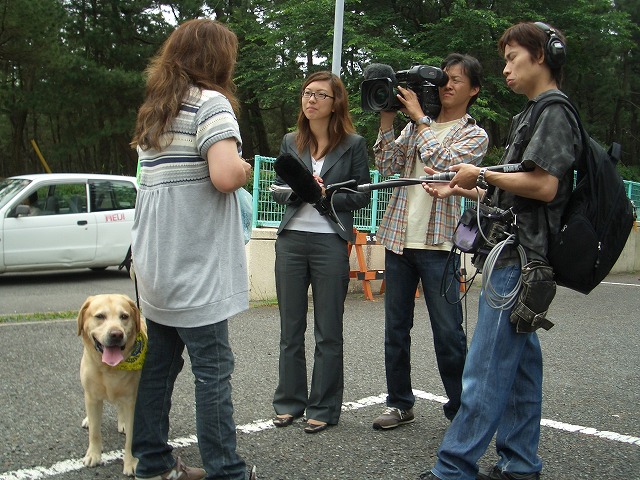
(494, 298)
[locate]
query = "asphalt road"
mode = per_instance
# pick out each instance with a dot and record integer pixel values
(60, 290)
(591, 426)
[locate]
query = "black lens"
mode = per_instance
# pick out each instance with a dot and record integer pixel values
(380, 95)
(376, 94)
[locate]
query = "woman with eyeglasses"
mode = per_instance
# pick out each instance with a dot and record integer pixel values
(311, 250)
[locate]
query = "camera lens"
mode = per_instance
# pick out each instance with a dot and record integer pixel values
(376, 94)
(380, 95)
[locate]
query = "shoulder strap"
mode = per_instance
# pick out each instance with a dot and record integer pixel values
(540, 105)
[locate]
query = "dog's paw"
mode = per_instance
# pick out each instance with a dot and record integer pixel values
(92, 459)
(85, 423)
(130, 463)
(129, 471)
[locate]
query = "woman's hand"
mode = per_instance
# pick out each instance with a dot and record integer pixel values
(320, 182)
(247, 169)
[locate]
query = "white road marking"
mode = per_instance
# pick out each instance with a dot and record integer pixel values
(623, 284)
(66, 466)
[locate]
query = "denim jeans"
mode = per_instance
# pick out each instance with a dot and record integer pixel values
(502, 394)
(212, 364)
(402, 273)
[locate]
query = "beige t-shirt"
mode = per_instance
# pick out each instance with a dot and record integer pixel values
(420, 203)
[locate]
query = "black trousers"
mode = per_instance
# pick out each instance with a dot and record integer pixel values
(321, 261)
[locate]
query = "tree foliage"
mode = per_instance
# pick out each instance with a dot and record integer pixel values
(73, 70)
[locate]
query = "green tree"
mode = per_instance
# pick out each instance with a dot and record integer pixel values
(27, 49)
(73, 70)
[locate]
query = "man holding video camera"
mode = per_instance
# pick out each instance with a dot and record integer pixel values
(503, 373)
(416, 231)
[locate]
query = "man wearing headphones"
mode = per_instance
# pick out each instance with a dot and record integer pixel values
(502, 377)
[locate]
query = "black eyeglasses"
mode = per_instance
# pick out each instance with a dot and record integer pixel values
(316, 95)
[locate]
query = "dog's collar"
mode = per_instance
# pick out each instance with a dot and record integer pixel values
(138, 354)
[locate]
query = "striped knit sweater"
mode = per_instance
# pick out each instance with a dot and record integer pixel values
(187, 238)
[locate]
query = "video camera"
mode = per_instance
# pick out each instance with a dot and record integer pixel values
(378, 91)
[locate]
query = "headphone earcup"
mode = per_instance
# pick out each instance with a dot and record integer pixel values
(555, 52)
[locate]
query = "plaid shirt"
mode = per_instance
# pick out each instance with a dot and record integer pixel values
(466, 142)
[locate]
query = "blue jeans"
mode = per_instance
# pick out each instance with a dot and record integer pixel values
(402, 273)
(502, 394)
(212, 364)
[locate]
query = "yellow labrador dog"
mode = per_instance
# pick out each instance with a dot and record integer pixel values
(115, 343)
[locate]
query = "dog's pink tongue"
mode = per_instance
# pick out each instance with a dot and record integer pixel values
(112, 356)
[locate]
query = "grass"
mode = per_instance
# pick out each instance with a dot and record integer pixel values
(71, 314)
(36, 317)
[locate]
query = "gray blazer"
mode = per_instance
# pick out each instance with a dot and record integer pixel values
(347, 161)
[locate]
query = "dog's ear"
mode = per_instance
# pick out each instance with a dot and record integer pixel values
(136, 313)
(83, 310)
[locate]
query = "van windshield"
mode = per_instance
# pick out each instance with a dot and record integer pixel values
(10, 187)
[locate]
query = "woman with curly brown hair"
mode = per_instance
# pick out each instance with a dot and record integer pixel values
(188, 246)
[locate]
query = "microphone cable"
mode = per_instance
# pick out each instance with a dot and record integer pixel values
(328, 198)
(496, 299)
(444, 288)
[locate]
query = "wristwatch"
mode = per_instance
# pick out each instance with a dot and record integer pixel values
(480, 181)
(426, 120)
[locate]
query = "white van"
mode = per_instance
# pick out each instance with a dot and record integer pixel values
(63, 220)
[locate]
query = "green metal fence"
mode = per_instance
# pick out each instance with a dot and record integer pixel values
(267, 213)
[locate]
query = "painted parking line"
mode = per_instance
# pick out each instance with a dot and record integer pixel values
(67, 466)
(622, 284)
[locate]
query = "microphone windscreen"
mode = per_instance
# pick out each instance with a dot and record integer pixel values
(380, 70)
(293, 172)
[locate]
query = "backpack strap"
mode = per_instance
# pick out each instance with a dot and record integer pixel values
(538, 107)
(543, 103)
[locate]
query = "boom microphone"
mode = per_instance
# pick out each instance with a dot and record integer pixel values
(298, 177)
(438, 177)
(404, 182)
(302, 183)
(380, 70)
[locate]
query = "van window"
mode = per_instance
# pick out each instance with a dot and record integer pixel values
(111, 195)
(68, 198)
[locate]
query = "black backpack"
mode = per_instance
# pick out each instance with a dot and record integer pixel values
(598, 217)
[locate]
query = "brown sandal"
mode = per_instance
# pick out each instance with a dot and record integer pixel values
(282, 421)
(315, 427)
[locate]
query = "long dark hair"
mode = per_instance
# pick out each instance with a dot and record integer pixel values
(340, 124)
(199, 53)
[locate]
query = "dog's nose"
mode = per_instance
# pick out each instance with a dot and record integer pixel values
(115, 336)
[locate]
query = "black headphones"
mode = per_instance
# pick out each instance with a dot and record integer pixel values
(555, 52)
